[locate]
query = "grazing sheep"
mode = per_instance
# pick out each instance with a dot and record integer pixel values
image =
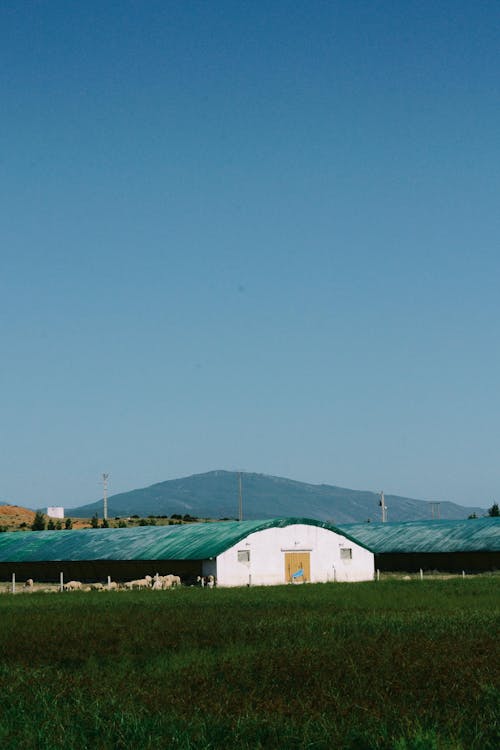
(141, 583)
(112, 586)
(171, 581)
(72, 585)
(96, 586)
(29, 583)
(157, 585)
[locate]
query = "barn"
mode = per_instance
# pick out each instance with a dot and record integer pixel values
(471, 545)
(237, 553)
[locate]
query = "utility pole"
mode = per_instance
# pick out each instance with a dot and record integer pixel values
(105, 495)
(435, 510)
(383, 507)
(240, 499)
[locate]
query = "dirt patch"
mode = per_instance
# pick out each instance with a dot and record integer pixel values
(14, 515)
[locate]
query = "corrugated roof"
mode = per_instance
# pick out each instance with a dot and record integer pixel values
(194, 541)
(471, 535)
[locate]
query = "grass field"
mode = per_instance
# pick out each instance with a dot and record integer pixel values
(400, 665)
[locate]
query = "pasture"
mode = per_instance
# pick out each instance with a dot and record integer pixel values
(394, 665)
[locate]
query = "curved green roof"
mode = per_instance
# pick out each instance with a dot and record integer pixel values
(471, 535)
(194, 541)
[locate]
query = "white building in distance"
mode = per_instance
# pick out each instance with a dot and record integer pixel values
(55, 511)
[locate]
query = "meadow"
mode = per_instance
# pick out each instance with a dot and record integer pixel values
(394, 665)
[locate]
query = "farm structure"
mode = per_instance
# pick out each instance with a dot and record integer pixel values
(471, 545)
(236, 553)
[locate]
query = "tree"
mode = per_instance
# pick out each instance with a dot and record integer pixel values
(105, 523)
(58, 525)
(38, 522)
(94, 521)
(51, 525)
(472, 515)
(68, 524)
(494, 511)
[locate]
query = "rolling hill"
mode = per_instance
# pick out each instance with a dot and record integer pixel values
(215, 495)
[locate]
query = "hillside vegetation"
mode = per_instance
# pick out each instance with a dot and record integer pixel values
(215, 495)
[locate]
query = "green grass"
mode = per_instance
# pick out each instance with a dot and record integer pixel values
(394, 665)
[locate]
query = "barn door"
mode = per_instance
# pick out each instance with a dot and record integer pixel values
(297, 567)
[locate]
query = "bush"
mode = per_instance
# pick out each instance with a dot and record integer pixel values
(38, 522)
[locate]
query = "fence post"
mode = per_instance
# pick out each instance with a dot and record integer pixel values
(13, 583)
(61, 581)
(109, 581)
(378, 574)
(421, 574)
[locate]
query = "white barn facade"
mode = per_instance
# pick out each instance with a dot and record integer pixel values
(297, 552)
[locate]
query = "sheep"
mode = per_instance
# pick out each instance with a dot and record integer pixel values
(96, 586)
(157, 585)
(112, 586)
(141, 583)
(211, 582)
(29, 583)
(72, 585)
(171, 581)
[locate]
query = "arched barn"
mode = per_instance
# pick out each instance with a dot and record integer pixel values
(237, 553)
(471, 545)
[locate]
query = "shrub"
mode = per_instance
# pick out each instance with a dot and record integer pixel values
(38, 522)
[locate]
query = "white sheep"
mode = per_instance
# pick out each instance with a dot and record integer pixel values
(29, 583)
(96, 586)
(141, 583)
(171, 581)
(112, 586)
(72, 585)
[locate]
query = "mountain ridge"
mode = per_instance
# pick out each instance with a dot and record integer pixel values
(214, 494)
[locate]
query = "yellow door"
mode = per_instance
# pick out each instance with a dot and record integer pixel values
(297, 567)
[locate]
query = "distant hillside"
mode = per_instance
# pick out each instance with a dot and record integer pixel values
(215, 495)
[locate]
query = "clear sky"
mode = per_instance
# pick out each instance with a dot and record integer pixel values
(249, 235)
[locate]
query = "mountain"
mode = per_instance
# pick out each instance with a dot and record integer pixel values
(215, 495)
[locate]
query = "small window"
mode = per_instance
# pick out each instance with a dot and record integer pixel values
(345, 553)
(243, 555)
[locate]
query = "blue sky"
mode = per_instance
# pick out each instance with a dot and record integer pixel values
(258, 236)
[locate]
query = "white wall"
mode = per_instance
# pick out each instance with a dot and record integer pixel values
(267, 557)
(55, 512)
